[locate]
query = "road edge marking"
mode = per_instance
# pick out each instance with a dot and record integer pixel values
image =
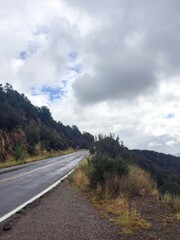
(6, 216)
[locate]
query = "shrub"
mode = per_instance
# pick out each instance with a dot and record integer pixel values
(170, 187)
(102, 166)
(114, 186)
(108, 145)
(19, 153)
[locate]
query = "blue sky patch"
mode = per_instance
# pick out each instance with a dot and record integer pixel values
(170, 116)
(53, 92)
(77, 68)
(72, 56)
(23, 55)
(32, 48)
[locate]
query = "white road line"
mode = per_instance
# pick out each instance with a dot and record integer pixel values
(35, 197)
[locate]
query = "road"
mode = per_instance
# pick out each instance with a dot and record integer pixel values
(19, 184)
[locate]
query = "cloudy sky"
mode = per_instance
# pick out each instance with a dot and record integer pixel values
(105, 66)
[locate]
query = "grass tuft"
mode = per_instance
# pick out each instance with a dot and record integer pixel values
(173, 201)
(79, 178)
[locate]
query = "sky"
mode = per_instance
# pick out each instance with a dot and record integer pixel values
(110, 66)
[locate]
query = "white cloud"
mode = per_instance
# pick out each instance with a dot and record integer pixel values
(124, 77)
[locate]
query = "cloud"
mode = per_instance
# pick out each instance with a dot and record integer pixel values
(135, 46)
(105, 66)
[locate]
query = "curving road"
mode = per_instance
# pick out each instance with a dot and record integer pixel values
(21, 183)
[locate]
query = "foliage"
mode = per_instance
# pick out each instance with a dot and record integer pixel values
(37, 123)
(108, 146)
(19, 153)
(102, 166)
(164, 168)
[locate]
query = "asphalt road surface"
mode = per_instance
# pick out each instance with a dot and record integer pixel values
(21, 183)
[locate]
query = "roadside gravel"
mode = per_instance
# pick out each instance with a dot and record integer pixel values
(64, 213)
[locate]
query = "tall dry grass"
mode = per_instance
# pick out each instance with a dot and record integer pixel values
(79, 177)
(174, 202)
(139, 182)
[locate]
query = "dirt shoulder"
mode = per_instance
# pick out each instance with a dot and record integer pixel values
(66, 213)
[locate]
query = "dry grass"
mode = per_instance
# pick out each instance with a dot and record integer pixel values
(173, 201)
(124, 216)
(43, 155)
(78, 178)
(155, 193)
(139, 182)
(178, 216)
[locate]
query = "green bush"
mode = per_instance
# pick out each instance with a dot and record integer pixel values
(19, 153)
(170, 187)
(102, 166)
(108, 145)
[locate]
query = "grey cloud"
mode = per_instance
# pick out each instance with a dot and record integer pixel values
(121, 78)
(123, 67)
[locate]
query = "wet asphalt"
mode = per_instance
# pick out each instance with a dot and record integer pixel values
(21, 183)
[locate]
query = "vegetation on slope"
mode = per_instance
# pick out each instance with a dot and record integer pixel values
(111, 181)
(27, 130)
(165, 169)
(114, 183)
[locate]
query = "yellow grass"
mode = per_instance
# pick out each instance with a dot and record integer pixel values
(124, 216)
(173, 201)
(43, 155)
(78, 177)
(139, 182)
(178, 216)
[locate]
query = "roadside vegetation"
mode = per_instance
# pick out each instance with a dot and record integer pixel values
(112, 183)
(23, 158)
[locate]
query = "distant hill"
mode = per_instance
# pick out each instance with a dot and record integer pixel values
(164, 168)
(177, 154)
(32, 129)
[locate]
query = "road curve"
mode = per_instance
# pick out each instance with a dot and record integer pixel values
(21, 183)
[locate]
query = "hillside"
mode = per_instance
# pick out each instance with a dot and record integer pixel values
(164, 168)
(29, 130)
